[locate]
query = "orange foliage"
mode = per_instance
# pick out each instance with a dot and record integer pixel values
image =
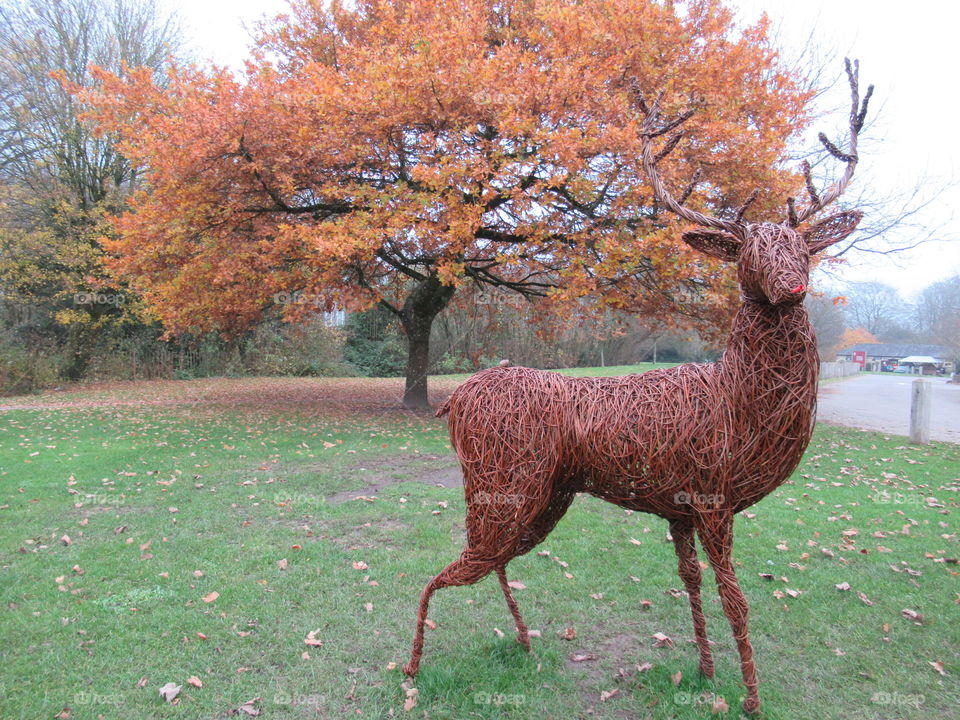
(372, 146)
(853, 336)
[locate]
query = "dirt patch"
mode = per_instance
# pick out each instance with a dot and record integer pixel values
(382, 534)
(327, 396)
(436, 470)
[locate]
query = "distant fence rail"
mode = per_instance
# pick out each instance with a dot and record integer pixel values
(838, 369)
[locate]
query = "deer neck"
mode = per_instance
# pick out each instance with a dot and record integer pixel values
(771, 352)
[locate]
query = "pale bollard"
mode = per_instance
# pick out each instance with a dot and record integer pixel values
(920, 412)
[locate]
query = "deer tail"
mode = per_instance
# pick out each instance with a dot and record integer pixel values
(443, 409)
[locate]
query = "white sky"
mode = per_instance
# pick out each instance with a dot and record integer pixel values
(909, 51)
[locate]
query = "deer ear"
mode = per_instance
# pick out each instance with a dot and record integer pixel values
(714, 243)
(835, 228)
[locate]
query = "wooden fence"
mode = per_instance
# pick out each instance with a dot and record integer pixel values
(830, 370)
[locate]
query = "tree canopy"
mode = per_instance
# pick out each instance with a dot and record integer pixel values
(391, 151)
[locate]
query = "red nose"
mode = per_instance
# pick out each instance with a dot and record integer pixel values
(799, 289)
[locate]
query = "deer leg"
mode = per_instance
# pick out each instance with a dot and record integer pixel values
(523, 636)
(689, 568)
(716, 535)
(465, 570)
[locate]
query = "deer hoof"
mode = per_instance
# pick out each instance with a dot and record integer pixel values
(411, 668)
(751, 704)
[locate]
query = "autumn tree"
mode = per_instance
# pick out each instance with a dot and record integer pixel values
(392, 152)
(855, 336)
(59, 180)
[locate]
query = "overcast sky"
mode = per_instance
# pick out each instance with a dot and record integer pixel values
(909, 51)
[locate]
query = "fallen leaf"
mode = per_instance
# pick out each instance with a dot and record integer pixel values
(312, 639)
(842, 586)
(864, 599)
(938, 666)
(607, 694)
(195, 681)
(912, 615)
(142, 682)
(430, 624)
(170, 691)
(661, 640)
(210, 596)
(66, 540)
(677, 677)
(569, 634)
(719, 706)
(248, 708)
(643, 667)
(517, 585)
(282, 564)
(582, 657)
(359, 565)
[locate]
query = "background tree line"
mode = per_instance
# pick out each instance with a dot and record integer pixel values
(65, 317)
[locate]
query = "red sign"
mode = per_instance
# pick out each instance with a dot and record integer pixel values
(860, 357)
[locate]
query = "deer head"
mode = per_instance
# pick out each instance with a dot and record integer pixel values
(773, 259)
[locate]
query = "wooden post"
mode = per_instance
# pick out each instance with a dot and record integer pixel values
(920, 412)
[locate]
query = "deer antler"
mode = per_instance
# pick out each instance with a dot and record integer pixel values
(649, 130)
(858, 112)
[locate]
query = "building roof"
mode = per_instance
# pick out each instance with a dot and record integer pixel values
(919, 360)
(897, 350)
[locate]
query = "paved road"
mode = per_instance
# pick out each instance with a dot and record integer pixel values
(882, 403)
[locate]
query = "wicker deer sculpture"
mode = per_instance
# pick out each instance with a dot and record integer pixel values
(694, 444)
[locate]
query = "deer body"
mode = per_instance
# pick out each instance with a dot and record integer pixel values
(694, 444)
(677, 438)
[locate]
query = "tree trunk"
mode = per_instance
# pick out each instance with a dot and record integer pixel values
(422, 306)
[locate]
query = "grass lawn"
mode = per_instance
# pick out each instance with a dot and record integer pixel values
(160, 532)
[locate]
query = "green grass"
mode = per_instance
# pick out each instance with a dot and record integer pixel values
(152, 496)
(609, 371)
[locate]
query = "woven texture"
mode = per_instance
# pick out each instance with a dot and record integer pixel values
(694, 444)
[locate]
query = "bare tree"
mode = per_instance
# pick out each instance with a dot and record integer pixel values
(875, 307)
(938, 313)
(42, 141)
(828, 322)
